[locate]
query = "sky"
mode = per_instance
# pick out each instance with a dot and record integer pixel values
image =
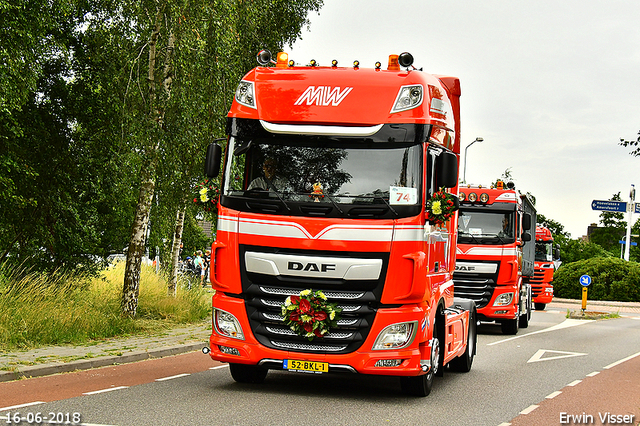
(551, 86)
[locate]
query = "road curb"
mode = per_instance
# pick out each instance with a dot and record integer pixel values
(86, 364)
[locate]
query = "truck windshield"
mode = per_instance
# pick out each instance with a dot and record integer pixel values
(386, 175)
(486, 227)
(544, 251)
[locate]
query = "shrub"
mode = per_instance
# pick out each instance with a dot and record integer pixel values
(611, 279)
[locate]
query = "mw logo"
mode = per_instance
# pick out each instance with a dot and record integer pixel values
(311, 267)
(323, 95)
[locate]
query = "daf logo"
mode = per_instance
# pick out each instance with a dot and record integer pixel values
(311, 267)
(465, 268)
(323, 95)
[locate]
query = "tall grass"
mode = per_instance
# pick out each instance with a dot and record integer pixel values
(59, 308)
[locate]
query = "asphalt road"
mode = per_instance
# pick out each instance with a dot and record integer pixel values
(512, 380)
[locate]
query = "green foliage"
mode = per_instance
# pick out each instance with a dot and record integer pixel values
(612, 279)
(67, 308)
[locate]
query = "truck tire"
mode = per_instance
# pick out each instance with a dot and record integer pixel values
(540, 306)
(511, 326)
(421, 385)
(462, 364)
(243, 373)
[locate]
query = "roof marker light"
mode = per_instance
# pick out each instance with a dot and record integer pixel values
(283, 58)
(356, 64)
(378, 65)
(313, 63)
(393, 63)
(334, 63)
(291, 63)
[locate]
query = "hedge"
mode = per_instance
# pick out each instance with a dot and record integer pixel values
(611, 279)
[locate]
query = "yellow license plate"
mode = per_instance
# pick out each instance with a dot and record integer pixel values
(307, 366)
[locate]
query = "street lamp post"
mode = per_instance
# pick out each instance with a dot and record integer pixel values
(464, 176)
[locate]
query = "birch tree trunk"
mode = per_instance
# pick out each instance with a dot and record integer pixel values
(175, 251)
(131, 285)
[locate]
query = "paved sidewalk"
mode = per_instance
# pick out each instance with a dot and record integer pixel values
(59, 359)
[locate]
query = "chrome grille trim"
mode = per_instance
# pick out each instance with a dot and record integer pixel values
(308, 347)
(329, 294)
(289, 332)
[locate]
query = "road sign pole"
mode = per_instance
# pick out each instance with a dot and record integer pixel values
(584, 298)
(632, 197)
(585, 281)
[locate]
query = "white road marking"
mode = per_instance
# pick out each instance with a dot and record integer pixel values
(621, 361)
(569, 322)
(553, 395)
(173, 377)
(528, 409)
(105, 390)
(538, 355)
(219, 367)
(595, 373)
(28, 404)
(575, 382)
(504, 424)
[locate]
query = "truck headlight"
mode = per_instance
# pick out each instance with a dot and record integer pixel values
(396, 336)
(245, 94)
(227, 325)
(409, 97)
(503, 299)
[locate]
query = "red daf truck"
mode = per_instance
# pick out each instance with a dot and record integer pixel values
(336, 224)
(495, 254)
(542, 280)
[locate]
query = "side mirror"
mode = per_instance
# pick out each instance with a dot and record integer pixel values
(526, 222)
(446, 170)
(213, 160)
(526, 236)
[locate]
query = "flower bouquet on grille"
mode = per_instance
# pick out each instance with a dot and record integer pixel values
(309, 314)
(440, 207)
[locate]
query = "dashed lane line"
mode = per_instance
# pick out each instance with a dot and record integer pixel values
(173, 377)
(105, 390)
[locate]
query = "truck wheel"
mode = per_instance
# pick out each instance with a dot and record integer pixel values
(511, 327)
(243, 373)
(462, 364)
(421, 385)
(540, 306)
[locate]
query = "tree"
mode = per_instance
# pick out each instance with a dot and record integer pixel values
(636, 143)
(612, 230)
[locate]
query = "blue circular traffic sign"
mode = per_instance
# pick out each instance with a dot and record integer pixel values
(585, 280)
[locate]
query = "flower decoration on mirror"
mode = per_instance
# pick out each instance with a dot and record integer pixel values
(207, 196)
(441, 207)
(309, 314)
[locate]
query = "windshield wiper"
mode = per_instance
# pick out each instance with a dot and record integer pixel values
(275, 190)
(378, 196)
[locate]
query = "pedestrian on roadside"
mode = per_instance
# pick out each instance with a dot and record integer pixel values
(207, 259)
(200, 266)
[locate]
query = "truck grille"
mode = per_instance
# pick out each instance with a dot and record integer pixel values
(265, 294)
(478, 287)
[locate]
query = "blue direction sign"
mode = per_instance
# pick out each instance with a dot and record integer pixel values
(585, 280)
(637, 208)
(609, 206)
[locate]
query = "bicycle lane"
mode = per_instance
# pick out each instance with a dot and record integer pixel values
(607, 397)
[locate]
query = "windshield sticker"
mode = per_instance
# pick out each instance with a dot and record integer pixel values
(465, 221)
(475, 231)
(403, 195)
